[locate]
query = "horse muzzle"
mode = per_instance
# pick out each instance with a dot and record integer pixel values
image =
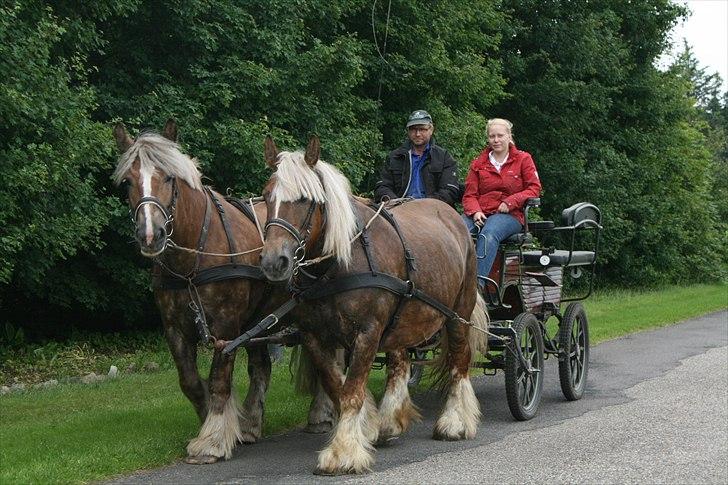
(152, 244)
(277, 265)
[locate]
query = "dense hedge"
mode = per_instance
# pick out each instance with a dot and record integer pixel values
(576, 78)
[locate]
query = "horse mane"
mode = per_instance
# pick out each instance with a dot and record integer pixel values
(321, 183)
(157, 152)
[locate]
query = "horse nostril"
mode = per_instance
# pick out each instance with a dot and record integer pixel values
(160, 233)
(283, 262)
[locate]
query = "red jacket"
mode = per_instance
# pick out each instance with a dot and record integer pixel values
(485, 188)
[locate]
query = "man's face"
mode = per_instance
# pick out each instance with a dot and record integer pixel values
(420, 135)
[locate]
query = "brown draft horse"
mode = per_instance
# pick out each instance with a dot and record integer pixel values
(312, 213)
(166, 196)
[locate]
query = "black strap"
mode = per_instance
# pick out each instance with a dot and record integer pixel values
(225, 224)
(202, 240)
(399, 287)
(383, 281)
(265, 324)
(211, 275)
(364, 240)
(409, 259)
(243, 206)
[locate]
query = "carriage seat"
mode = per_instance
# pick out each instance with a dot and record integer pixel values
(582, 215)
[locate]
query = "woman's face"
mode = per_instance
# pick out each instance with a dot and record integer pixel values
(498, 138)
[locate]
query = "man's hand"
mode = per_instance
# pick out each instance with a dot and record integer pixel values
(479, 218)
(503, 208)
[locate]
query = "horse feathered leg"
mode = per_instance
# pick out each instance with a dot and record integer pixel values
(251, 417)
(396, 410)
(221, 430)
(461, 414)
(350, 449)
(184, 352)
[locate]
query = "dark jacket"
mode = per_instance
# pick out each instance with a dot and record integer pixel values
(439, 175)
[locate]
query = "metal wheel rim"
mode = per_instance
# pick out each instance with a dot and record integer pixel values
(528, 384)
(577, 353)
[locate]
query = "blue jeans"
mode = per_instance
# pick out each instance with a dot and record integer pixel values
(497, 227)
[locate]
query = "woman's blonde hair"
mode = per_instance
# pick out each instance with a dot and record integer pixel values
(503, 122)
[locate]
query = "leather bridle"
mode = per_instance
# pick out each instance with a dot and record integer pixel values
(168, 212)
(301, 236)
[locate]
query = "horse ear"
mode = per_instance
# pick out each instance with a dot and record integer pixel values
(123, 140)
(170, 130)
(271, 152)
(313, 151)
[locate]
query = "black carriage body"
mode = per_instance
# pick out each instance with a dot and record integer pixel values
(524, 290)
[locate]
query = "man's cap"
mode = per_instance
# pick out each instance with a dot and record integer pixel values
(419, 117)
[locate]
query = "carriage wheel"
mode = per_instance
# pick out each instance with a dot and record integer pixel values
(574, 351)
(523, 389)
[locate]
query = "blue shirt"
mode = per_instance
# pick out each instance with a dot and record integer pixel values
(417, 188)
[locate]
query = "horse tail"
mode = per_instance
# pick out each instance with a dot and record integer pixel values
(304, 374)
(477, 342)
(477, 337)
(440, 370)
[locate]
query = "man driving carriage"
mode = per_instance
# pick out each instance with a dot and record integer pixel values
(419, 168)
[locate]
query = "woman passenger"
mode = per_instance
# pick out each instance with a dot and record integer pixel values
(499, 181)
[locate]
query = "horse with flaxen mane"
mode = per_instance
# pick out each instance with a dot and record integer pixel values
(209, 268)
(425, 246)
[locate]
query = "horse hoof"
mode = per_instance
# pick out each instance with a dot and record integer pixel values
(318, 428)
(333, 473)
(248, 438)
(445, 437)
(386, 440)
(201, 460)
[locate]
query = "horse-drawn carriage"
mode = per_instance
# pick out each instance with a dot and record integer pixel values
(350, 274)
(523, 291)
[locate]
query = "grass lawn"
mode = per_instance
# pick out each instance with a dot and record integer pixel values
(74, 433)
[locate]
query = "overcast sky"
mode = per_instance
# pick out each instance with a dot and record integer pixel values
(706, 30)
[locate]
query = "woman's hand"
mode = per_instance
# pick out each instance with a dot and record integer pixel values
(503, 208)
(479, 218)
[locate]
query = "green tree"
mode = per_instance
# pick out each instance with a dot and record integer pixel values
(53, 210)
(606, 126)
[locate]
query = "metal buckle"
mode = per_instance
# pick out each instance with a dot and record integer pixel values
(410, 289)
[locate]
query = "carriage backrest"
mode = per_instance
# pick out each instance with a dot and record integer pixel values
(581, 213)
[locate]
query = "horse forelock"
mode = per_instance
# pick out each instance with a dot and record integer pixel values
(157, 152)
(324, 183)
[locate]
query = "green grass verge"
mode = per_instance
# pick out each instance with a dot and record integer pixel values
(618, 312)
(75, 434)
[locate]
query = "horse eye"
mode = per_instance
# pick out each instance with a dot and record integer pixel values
(125, 184)
(168, 179)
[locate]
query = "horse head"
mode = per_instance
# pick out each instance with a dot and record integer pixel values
(152, 169)
(309, 211)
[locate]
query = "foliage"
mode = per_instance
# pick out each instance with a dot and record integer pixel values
(605, 126)
(79, 355)
(577, 78)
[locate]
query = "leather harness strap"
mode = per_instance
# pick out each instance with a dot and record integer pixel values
(326, 285)
(225, 224)
(202, 240)
(212, 275)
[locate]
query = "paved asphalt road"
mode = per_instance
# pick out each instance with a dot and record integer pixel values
(655, 411)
